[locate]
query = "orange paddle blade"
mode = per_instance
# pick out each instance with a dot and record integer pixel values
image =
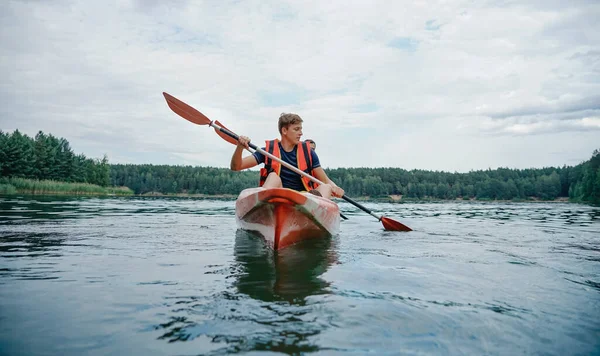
(224, 136)
(184, 110)
(393, 225)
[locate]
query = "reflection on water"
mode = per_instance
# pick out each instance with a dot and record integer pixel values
(277, 317)
(291, 274)
(29, 244)
(33, 246)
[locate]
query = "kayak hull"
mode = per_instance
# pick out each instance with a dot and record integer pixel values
(285, 217)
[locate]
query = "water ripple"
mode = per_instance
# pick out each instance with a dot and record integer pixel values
(175, 276)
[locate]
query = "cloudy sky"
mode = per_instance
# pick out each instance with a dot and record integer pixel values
(436, 85)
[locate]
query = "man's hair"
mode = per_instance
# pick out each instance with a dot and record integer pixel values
(286, 119)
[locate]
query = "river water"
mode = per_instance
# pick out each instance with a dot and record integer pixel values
(155, 276)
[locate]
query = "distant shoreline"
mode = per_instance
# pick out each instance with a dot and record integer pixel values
(18, 186)
(233, 197)
(385, 199)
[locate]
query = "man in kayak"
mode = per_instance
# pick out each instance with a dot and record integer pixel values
(291, 150)
(312, 143)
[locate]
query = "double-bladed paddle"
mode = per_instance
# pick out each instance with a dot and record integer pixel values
(189, 113)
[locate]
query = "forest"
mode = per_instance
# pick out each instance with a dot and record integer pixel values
(48, 157)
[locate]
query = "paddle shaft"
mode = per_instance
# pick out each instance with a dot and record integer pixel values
(295, 169)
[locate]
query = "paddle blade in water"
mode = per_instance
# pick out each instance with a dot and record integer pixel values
(225, 136)
(184, 110)
(393, 225)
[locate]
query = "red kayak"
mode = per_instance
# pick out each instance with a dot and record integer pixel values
(284, 216)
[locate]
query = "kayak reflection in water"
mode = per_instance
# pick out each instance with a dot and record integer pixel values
(291, 274)
(292, 151)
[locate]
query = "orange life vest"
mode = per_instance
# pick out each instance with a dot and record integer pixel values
(303, 162)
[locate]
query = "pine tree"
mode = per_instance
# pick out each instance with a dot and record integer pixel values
(19, 157)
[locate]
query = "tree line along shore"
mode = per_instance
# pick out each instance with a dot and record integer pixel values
(45, 164)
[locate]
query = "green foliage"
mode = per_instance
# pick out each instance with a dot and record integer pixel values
(33, 186)
(7, 189)
(587, 181)
(17, 155)
(47, 157)
(501, 184)
(165, 179)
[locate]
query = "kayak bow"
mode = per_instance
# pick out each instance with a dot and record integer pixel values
(284, 216)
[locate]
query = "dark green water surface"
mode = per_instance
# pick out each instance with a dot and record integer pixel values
(133, 276)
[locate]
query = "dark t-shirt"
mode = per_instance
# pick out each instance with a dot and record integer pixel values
(289, 178)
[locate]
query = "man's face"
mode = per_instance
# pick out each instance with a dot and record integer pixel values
(293, 132)
(313, 145)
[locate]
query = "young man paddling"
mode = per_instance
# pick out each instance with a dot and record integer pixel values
(291, 150)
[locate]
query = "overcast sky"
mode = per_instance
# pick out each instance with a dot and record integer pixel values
(436, 85)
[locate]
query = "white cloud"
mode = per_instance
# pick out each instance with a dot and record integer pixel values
(433, 85)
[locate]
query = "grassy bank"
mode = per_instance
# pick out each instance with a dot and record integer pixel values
(51, 187)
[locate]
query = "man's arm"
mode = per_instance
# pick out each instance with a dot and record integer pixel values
(237, 162)
(320, 174)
